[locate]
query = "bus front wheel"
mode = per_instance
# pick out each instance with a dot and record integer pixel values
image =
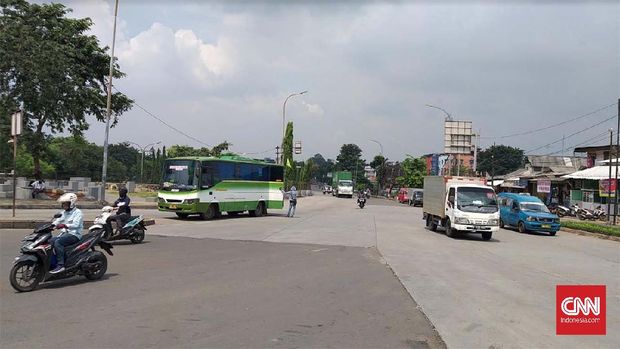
(211, 212)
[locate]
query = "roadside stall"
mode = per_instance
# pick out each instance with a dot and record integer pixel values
(593, 187)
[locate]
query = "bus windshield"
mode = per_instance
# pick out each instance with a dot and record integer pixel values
(179, 175)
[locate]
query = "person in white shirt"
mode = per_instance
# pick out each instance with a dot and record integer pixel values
(38, 186)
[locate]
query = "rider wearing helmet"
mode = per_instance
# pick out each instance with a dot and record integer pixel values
(124, 210)
(72, 221)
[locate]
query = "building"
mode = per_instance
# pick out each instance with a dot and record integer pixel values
(595, 154)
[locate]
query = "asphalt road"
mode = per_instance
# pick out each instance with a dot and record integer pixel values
(495, 294)
(173, 292)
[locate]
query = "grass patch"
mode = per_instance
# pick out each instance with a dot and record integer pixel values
(140, 194)
(592, 227)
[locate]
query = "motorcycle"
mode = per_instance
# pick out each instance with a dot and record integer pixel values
(361, 201)
(133, 228)
(38, 258)
(583, 213)
(598, 213)
(562, 211)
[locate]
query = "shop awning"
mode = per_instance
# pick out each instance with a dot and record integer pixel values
(595, 173)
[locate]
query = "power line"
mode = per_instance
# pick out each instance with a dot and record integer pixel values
(593, 139)
(551, 126)
(573, 134)
(165, 123)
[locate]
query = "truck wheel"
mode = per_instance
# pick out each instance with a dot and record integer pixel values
(486, 236)
(449, 231)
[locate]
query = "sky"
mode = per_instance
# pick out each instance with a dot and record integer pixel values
(221, 71)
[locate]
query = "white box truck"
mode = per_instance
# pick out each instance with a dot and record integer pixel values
(460, 205)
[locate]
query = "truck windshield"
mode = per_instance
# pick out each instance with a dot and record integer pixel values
(345, 183)
(534, 207)
(473, 199)
(179, 175)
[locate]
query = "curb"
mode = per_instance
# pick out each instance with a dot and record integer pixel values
(31, 224)
(594, 235)
(84, 206)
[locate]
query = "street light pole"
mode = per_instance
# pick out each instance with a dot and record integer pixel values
(382, 165)
(104, 171)
(284, 116)
(143, 149)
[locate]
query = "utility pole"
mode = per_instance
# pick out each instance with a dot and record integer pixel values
(277, 154)
(476, 139)
(104, 171)
(616, 178)
(611, 144)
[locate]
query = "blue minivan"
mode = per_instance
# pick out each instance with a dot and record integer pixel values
(527, 213)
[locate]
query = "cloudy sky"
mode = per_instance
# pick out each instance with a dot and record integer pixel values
(221, 71)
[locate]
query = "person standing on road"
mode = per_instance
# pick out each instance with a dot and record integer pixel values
(72, 221)
(292, 204)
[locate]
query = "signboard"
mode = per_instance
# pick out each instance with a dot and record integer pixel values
(543, 186)
(16, 124)
(523, 182)
(297, 147)
(607, 188)
(457, 137)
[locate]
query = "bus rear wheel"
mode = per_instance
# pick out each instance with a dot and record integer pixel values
(260, 210)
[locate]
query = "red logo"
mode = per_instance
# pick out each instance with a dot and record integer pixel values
(580, 310)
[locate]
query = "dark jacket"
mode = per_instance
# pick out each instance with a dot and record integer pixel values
(124, 208)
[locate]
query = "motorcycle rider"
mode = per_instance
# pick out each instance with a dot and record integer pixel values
(72, 220)
(122, 213)
(361, 195)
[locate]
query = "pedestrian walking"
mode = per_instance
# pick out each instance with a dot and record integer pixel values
(292, 203)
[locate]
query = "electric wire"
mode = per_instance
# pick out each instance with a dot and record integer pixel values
(166, 124)
(551, 126)
(571, 135)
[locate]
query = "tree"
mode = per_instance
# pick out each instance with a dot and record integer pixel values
(323, 167)
(378, 163)
(350, 159)
(55, 70)
(287, 156)
(500, 159)
(185, 150)
(413, 172)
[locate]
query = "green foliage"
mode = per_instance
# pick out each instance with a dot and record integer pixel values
(287, 156)
(378, 163)
(25, 167)
(592, 227)
(413, 172)
(58, 71)
(185, 150)
(350, 159)
(323, 167)
(499, 160)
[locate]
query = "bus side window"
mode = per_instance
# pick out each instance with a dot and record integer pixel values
(276, 173)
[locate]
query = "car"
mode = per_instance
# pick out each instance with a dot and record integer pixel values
(327, 189)
(403, 195)
(526, 213)
(416, 197)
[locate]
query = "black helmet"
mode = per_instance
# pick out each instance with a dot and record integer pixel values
(122, 192)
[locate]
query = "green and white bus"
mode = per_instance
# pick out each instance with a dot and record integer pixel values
(208, 186)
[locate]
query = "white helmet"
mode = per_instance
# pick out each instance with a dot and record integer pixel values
(71, 198)
(107, 209)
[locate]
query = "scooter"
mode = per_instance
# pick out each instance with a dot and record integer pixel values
(101, 220)
(361, 201)
(583, 213)
(562, 211)
(599, 214)
(38, 258)
(133, 230)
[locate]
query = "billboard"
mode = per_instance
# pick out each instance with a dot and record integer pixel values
(457, 137)
(607, 188)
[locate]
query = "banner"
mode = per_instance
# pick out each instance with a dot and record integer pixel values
(607, 188)
(543, 186)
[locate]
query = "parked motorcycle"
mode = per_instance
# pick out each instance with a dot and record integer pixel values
(598, 213)
(361, 201)
(38, 258)
(583, 213)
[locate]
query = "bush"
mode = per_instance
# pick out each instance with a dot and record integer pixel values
(592, 227)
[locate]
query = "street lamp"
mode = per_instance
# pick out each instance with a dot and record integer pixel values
(143, 149)
(449, 118)
(382, 165)
(284, 116)
(104, 171)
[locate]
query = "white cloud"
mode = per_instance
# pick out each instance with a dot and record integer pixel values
(313, 108)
